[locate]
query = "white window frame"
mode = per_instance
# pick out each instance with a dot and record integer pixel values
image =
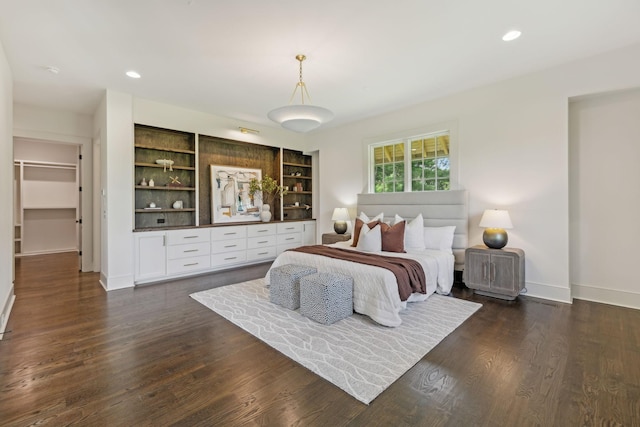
(406, 136)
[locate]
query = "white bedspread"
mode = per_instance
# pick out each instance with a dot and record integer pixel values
(375, 290)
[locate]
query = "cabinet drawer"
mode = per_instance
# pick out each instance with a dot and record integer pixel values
(289, 227)
(228, 258)
(282, 248)
(183, 265)
(189, 250)
(285, 239)
(261, 230)
(179, 237)
(224, 246)
(261, 253)
(225, 233)
(260, 242)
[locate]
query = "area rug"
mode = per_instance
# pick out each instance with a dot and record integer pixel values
(356, 354)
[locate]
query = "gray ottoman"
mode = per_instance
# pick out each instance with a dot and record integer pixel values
(284, 288)
(326, 297)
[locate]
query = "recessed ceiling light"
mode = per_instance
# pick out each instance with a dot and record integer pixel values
(133, 74)
(511, 35)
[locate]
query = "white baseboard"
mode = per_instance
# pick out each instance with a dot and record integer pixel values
(550, 292)
(113, 283)
(606, 296)
(6, 311)
(47, 252)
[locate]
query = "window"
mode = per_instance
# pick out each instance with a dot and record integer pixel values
(425, 166)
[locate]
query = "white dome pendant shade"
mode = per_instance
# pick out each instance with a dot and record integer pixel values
(300, 117)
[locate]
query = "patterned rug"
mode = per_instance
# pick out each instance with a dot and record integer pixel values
(356, 354)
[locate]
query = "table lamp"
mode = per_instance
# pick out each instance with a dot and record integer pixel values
(340, 216)
(495, 221)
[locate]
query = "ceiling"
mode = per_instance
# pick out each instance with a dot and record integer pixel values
(237, 58)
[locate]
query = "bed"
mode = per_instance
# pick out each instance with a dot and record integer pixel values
(375, 291)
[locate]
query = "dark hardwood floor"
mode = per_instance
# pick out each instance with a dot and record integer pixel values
(153, 356)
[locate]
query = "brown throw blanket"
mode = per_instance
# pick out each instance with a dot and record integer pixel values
(409, 273)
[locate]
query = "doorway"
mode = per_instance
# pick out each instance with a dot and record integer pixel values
(47, 198)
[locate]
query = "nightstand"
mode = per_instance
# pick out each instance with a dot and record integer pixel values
(328, 238)
(496, 273)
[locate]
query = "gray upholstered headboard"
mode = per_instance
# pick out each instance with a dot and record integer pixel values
(439, 208)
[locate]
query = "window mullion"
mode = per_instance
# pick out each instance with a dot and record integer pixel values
(407, 166)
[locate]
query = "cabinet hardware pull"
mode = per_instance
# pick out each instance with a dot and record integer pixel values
(190, 250)
(264, 241)
(290, 238)
(262, 231)
(230, 246)
(492, 272)
(290, 228)
(263, 253)
(192, 264)
(230, 234)
(484, 270)
(190, 237)
(230, 258)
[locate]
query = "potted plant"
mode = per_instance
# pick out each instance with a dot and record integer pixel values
(269, 190)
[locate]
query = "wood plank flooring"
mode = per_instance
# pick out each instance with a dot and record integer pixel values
(152, 356)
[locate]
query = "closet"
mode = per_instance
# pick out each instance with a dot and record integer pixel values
(46, 197)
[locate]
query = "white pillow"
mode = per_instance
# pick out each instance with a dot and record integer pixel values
(363, 216)
(439, 238)
(413, 232)
(370, 239)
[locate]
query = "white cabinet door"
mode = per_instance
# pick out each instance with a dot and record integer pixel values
(151, 255)
(309, 233)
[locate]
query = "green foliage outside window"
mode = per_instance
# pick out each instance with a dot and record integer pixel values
(428, 164)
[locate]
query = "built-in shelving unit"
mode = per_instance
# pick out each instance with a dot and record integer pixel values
(297, 177)
(166, 159)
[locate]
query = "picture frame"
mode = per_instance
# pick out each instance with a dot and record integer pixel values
(230, 198)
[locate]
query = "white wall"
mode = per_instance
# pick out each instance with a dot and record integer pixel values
(6, 190)
(172, 117)
(113, 125)
(605, 200)
(513, 153)
(63, 127)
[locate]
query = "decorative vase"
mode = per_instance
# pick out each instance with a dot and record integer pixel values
(265, 213)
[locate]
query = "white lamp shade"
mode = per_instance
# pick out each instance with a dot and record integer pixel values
(340, 214)
(496, 218)
(300, 117)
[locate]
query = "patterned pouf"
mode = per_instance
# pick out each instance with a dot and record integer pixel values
(284, 288)
(326, 297)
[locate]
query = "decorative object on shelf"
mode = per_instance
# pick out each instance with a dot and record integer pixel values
(340, 216)
(495, 221)
(151, 183)
(178, 204)
(175, 182)
(267, 189)
(143, 182)
(265, 213)
(231, 200)
(300, 117)
(153, 206)
(165, 163)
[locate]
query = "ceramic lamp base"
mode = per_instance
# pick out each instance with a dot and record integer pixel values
(340, 227)
(495, 238)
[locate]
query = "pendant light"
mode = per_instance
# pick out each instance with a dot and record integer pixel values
(300, 117)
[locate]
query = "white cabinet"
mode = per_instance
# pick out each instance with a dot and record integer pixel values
(308, 233)
(289, 236)
(228, 246)
(150, 253)
(188, 250)
(176, 253)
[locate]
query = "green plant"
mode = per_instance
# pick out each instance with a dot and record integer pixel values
(268, 188)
